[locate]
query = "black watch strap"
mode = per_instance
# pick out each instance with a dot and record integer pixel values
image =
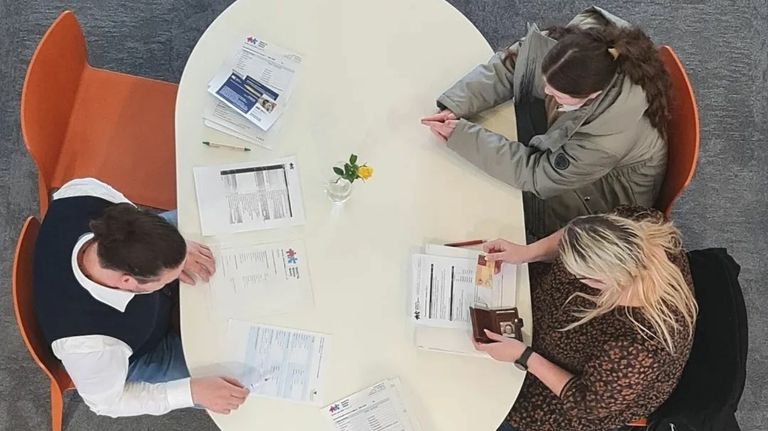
(522, 361)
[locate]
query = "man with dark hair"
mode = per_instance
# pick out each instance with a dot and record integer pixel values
(105, 277)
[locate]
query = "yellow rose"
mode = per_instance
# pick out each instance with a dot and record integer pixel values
(365, 172)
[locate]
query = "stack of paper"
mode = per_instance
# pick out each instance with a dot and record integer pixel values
(444, 287)
(218, 116)
(378, 408)
(252, 90)
(443, 290)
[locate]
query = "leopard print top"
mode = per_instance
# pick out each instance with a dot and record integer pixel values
(619, 375)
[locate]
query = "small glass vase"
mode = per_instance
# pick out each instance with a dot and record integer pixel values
(339, 190)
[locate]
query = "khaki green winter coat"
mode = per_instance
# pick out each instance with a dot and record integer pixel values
(589, 161)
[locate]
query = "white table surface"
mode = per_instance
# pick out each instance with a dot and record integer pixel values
(371, 70)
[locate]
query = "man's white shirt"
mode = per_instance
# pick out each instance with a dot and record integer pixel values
(98, 364)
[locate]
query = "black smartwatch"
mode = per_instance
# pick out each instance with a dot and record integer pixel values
(522, 362)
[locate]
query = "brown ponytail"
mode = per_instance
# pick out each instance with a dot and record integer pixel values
(581, 64)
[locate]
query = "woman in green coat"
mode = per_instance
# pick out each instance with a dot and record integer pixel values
(592, 110)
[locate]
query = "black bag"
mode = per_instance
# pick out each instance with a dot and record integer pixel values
(708, 393)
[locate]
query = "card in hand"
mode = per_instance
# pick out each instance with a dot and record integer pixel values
(484, 272)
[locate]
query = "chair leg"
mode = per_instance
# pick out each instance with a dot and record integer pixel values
(57, 407)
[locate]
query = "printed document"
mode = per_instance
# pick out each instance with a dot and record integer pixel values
(456, 337)
(444, 288)
(258, 81)
(281, 363)
(261, 279)
(248, 196)
(219, 116)
(378, 408)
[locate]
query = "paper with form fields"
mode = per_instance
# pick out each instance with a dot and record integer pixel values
(456, 336)
(444, 288)
(378, 408)
(257, 81)
(219, 116)
(260, 279)
(248, 196)
(281, 363)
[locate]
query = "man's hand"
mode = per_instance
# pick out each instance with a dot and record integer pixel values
(504, 349)
(217, 394)
(198, 264)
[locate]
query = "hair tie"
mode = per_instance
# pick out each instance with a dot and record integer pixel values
(614, 53)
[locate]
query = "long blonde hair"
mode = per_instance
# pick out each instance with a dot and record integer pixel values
(631, 258)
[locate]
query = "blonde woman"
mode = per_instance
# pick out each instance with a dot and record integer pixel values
(613, 321)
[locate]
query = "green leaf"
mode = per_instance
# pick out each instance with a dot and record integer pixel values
(338, 171)
(353, 159)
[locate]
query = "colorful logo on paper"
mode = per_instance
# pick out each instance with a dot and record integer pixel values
(292, 258)
(255, 42)
(292, 263)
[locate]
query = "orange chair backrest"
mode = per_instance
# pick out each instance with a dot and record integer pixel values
(23, 305)
(683, 133)
(50, 89)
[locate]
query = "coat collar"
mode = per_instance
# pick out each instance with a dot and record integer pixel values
(115, 298)
(597, 16)
(566, 125)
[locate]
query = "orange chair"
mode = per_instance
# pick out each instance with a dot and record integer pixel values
(683, 129)
(81, 121)
(27, 321)
(683, 151)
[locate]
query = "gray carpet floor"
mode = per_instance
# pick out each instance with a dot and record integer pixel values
(723, 44)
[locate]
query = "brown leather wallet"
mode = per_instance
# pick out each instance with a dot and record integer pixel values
(504, 321)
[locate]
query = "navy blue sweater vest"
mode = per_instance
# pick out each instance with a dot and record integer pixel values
(65, 309)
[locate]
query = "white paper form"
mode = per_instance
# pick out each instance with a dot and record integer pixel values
(257, 81)
(219, 116)
(248, 196)
(261, 279)
(378, 408)
(281, 363)
(436, 337)
(504, 292)
(444, 289)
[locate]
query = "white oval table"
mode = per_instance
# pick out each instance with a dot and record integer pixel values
(370, 70)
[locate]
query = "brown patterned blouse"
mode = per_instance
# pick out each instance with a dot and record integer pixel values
(619, 375)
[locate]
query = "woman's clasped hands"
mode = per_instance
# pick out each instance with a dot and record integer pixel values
(441, 124)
